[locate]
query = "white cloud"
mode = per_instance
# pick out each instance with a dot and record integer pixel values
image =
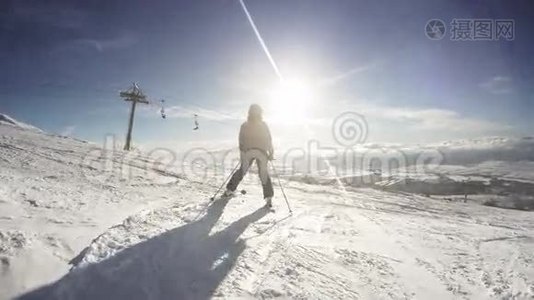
(344, 75)
(431, 119)
(100, 45)
(498, 85)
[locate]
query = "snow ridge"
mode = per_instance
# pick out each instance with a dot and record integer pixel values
(7, 120)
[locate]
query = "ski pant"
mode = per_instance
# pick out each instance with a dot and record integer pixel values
(247, 159)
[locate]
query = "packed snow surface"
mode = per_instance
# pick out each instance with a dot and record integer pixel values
(77, 222)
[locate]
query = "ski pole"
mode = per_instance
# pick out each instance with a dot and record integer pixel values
(281, 187)
(225, 181)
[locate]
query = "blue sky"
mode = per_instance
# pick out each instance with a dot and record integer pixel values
(64, 62)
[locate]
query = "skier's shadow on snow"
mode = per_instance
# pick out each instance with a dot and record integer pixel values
(182, 263)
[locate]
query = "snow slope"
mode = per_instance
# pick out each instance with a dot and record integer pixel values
(53, 203)
(152, 234)
(7, 120)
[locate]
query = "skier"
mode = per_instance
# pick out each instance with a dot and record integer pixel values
(255, 144)
(196, 122)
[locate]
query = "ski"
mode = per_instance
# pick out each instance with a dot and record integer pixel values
(269, 207)
(243, 192)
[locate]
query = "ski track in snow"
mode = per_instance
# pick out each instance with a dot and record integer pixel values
(155, 235)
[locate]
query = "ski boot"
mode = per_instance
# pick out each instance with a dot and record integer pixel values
(228, 194)
(268, 202)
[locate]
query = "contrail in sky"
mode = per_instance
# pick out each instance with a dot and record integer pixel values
(260, 39)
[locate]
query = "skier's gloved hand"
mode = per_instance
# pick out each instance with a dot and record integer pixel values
(270, 156)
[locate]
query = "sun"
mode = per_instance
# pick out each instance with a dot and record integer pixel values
(290, 101)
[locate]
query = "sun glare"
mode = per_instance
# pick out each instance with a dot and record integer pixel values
(290, 101)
